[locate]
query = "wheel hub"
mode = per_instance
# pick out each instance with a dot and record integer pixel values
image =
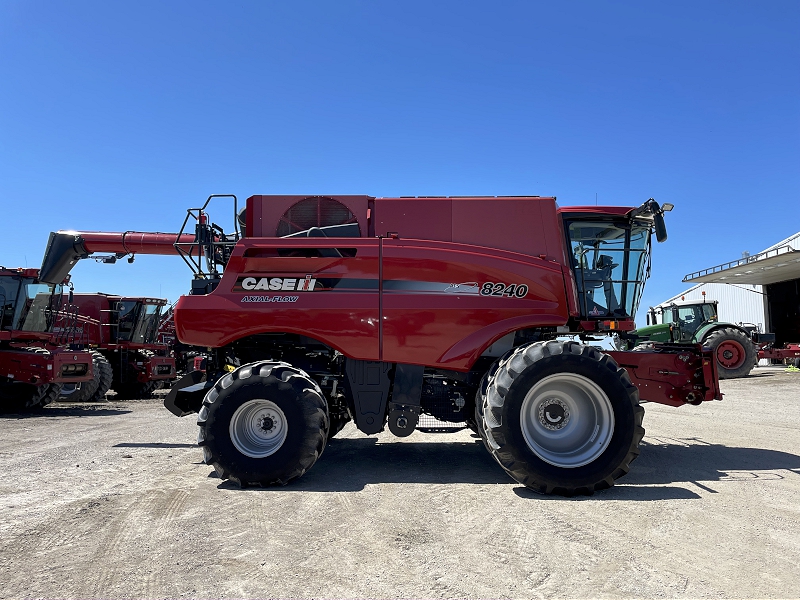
(567, 420)
(730, 354)
(553, 414)
(258, 428)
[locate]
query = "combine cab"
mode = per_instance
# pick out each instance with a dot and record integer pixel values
(127, 357)
(38, 350)
(417, 313)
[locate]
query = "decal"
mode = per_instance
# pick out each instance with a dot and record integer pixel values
(270, 298)
(463, 288)
(512, 290)
(274, 284)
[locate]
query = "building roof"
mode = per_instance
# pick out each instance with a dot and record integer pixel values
(780, 262)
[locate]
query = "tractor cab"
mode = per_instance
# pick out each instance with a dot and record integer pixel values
(680, 321)
(686, 319)
(27, 305)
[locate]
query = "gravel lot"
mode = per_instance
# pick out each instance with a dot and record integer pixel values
(111, 500)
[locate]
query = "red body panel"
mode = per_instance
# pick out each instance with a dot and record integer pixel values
(430, 317)
(345, 317)
(41, 369)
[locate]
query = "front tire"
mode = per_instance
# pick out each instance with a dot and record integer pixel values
(561, 418)
(266, 423)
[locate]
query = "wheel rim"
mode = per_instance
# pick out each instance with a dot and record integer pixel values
(68, 389)
(567, 420)
(730, 354)
(258, 428)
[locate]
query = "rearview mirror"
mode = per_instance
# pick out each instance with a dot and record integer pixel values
(661, 228)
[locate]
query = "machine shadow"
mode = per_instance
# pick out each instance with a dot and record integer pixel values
(350, 464)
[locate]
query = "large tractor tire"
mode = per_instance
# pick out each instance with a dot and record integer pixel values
(560, 418)
(266, 423)
(736, 355)
(18, 397)
(103, 376)
(44, 395)
(95, 389)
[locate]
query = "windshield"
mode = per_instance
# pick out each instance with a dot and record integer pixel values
(37, 310)
(610, 260)
(9, 289)
(145, 332)
(691, 317)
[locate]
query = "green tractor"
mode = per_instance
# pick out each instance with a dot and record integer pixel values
(697, 322)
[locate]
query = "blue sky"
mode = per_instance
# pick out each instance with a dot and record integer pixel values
(118, 116)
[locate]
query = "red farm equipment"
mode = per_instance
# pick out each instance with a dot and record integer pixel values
(421, 313)
(122, 333)
(38, 350)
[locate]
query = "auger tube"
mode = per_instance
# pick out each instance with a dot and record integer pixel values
(66, 248)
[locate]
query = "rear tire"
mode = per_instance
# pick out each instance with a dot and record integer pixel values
(560, 418)
(104, 374)
(266, 423)
(735, 353)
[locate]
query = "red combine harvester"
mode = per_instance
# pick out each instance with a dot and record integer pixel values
(323, 309)
(127, 356)
(34, 363)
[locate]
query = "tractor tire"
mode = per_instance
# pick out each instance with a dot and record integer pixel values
(22, 397)
(104, 374)
(44, 395)
(560, 418)
(266, 423)
(736, 355)
(87, 390)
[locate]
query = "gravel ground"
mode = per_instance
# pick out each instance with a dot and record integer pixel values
(111, 500)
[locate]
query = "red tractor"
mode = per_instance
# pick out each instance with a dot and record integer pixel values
(481, 312)
(127, 357)
(34, 362)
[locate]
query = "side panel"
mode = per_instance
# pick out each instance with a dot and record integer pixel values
(513, 224)
(434, 313)
(340, 309)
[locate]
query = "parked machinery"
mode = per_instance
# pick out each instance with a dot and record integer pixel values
(735, 346)
(38, 349)
(122, 332)
(479, 311)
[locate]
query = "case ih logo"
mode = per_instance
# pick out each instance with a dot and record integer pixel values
(275, 284)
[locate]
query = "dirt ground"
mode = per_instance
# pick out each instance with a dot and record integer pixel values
(112, 500)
